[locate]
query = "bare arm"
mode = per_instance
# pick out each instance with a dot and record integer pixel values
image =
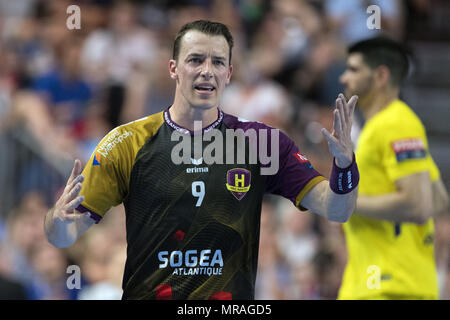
(335, 207)
(412, 202)
(416, 200)
(63, 225)
(440, 198)
(322, 199)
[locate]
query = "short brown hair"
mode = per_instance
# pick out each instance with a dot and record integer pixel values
(204, 26)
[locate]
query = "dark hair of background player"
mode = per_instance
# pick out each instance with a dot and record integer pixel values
(384, 51)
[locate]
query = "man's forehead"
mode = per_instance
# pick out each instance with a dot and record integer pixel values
(356, 59)
(200, 43)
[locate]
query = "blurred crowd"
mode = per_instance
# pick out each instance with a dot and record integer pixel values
(67, 88)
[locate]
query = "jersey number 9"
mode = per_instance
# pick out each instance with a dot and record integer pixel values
(198, 190)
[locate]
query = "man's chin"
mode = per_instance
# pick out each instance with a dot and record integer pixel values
(204, 106)
(348, 94)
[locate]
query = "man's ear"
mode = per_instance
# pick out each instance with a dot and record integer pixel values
(383, 75)
(230, 71)
(173, 69)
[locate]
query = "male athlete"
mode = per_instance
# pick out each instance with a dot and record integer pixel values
(193, 228)
(390, 235)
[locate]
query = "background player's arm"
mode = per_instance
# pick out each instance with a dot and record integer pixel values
(321, 199)
(412, 202)
(63, 224)
(440, 198)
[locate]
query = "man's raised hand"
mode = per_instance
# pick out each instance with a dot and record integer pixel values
(339, 140)
(64, 209)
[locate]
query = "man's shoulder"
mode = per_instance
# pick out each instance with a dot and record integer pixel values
(401, 111)
(146, 126)
(274, 136)
(130, 135)
(235, 122)
(398, 116)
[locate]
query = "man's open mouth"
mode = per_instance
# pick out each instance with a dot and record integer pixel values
(204, 87)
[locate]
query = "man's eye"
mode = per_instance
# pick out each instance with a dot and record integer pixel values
(194, 60)
(219, 62)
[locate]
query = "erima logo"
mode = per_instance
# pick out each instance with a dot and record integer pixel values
(196, 162)
(192, 262)
(197, 170)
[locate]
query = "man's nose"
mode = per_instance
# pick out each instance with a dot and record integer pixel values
(343, 78)
(207, 69)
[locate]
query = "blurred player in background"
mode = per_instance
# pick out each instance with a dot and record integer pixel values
(193, 229)
(390, 238)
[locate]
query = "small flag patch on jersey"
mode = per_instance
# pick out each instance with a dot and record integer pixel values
(409, 149)
(96, 161)
(302, 159)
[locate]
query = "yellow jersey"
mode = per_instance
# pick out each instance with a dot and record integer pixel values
(387, 260)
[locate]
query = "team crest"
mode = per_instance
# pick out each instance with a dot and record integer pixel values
(238, 182)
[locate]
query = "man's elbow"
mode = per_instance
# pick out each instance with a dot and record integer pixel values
(421, 213)
(340, 216)
(59, 243)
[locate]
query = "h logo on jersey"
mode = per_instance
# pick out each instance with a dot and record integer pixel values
(238, 182)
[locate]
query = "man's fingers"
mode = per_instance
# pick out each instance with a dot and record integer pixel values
(73, 193)
(72, 205)
(78, 179)
(75, 171)
(328, 136)
(337, 125)
(343, 116)
(70, 186)
(342, 96)
(74, 216)
(351, 105)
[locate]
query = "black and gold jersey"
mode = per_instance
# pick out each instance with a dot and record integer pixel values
(192, 228)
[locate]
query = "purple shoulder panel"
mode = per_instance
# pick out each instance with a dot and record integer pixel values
(295, 170)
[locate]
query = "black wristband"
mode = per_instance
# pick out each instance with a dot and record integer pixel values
(345, 180)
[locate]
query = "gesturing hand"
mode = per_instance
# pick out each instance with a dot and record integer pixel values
(339, 140)
(64, 209)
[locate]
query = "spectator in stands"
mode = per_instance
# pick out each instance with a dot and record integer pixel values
(344, 15)
(273, 275)
(63, 89)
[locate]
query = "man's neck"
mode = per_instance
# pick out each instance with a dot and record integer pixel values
(378, 103)
(185, 116)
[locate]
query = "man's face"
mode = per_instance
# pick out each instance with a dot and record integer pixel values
(202, 70)
(357, 78)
